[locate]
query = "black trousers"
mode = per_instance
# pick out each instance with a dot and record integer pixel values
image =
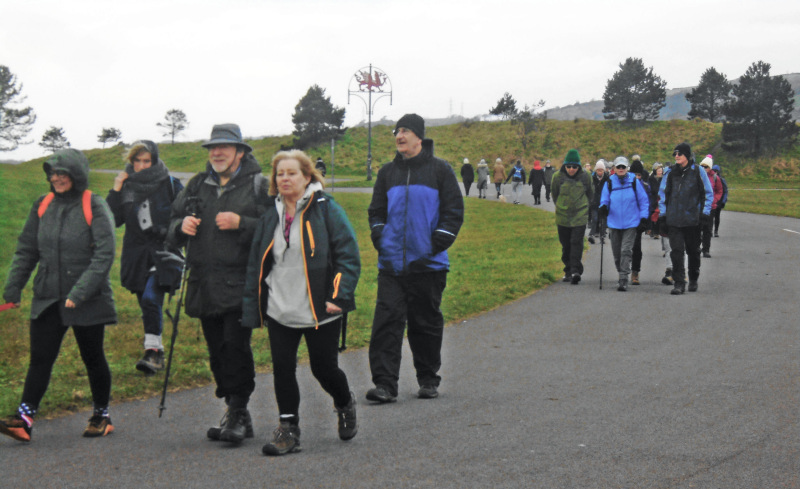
(230, 357)
(467, 186)
(414, 299)
(571, 248)
(685, 241)
(47, 333)
(323, 354)
(706, 231)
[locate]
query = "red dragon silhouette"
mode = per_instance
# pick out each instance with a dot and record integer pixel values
(375, 81)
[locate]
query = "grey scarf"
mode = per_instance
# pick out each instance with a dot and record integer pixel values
(141, 185)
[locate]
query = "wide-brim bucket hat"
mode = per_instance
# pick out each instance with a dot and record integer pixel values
(227, 134)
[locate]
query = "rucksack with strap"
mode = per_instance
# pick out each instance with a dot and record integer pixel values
(635, 192)
(517, 173)
(86, 201)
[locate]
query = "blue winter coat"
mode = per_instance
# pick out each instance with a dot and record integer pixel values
(413, 199)
(626, 208)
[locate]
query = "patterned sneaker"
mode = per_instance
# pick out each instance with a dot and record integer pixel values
(428, 391)
(17, 427)
(347, 419)
(98, 426)
(285, 439)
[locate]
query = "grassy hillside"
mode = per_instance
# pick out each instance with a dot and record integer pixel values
(654, 141)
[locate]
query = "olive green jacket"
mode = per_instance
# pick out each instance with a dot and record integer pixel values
(572, 196)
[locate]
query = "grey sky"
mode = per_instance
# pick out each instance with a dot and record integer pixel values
(89, 64)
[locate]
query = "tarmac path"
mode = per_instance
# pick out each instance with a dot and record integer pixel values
(570, 387)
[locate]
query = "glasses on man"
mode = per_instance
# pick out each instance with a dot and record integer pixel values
(676, 154)
(572, 167)
(621, 167)
(401, 130)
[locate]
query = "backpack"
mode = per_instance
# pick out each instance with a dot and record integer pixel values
(517, 173)
(635, 192)
(86, 201)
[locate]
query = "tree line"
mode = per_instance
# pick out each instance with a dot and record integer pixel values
(756, 112)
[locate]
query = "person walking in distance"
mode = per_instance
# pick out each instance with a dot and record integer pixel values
(684, 205)
(572, 193)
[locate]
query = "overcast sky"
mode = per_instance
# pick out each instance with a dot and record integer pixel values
(89, 64)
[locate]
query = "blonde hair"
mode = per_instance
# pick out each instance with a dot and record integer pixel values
(136, 150)
(306, 167)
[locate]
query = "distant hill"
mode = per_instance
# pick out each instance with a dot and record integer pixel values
(677, 106)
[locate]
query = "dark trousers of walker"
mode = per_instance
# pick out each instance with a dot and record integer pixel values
(230, 357)
(414, 299)
(685, 240)
(323, 355)
(571, 248)
(47, 333)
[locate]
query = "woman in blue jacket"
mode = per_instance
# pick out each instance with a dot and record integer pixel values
(626, 208)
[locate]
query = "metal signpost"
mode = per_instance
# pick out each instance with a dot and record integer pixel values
(369, 80)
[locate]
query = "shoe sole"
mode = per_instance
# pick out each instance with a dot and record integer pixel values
(92, 434)
(428, 396)
(18, 434)
(277, 453)
(349, 437)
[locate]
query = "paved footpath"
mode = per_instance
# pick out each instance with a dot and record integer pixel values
(570, 387)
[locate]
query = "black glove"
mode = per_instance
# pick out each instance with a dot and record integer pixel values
(705, 219)
(603, 211)
(663, 230)
(441, 241)
(375, 233)
(642, 225)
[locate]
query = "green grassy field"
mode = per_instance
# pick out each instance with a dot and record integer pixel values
(484, 275)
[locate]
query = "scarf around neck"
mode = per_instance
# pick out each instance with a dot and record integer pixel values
(139, 186)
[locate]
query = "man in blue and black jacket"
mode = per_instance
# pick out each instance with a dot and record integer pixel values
(414, 217)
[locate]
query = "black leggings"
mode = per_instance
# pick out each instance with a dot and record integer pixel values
(323, 354)
(47, 332)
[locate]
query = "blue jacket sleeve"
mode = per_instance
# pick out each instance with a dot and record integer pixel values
(709, 192)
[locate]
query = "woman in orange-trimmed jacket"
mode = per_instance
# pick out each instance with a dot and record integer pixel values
(301, 278)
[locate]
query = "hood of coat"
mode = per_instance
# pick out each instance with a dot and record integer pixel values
(74, 163)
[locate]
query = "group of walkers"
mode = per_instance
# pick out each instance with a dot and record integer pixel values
(537, 178)
(679, 205)
(278, 252)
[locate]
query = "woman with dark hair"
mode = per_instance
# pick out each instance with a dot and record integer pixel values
(70, 237)
(141, 199)
(301, 279)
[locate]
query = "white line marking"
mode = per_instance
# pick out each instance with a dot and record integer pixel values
(790, 231)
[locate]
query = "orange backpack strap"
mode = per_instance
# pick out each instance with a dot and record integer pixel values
(44, 203)
(87, 206)
(86, 202)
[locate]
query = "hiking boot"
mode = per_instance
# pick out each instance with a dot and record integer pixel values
(214, 431)
(429, 391)
(347, 419)
(623, 285)
(239, 426)
(380, 394)
(566, 278)
(591, 239)
(285, 439)
(635, 278)
(706, 254)
(152, 361)
(576, 277)
(679, 288)
(17, 427)
(716, 235)
(667, 280)
(692, 285)
(98, 426)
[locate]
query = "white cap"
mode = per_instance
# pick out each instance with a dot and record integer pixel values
(621, 160)
(600, 165)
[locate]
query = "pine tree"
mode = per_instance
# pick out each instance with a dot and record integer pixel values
(316, 120)
(174, 123)
(53, 139)
(506, 107)
(759, 117)
(634, 92)
(709, 97)
(15, 122)
(109, 134)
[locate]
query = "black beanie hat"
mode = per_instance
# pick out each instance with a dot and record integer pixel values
(413, 123)
(685, 150)
(636, 167)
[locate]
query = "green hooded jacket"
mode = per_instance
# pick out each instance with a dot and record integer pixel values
(73, 258)
(572, 196)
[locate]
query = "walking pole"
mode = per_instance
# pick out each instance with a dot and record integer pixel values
(174, 319)
(602, 245)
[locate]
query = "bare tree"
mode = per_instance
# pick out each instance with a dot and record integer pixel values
(174, 123)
